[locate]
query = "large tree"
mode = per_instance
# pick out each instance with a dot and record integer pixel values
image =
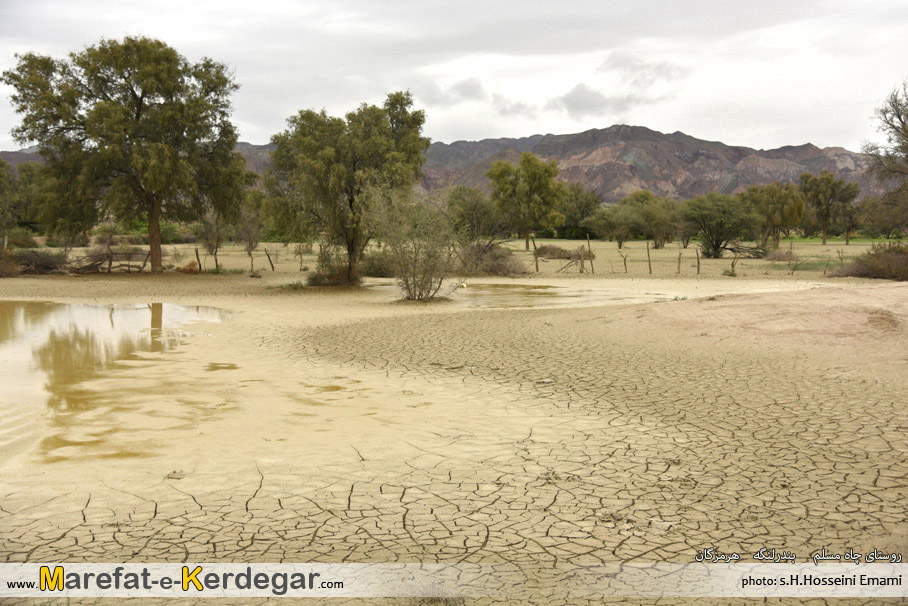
(138, 121)
(578, 203)
(332, 169)
(720, 219)
(527, 194)
(828, 197)
(890, 162)
(656, 217)
(778, 206)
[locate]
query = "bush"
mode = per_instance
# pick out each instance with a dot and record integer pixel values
(8, 265)
(883, 261)
(549, 251)
(39, 261)
(18, 237)
(330, 268)
(781, 255)
(490, 261)
(377, 264)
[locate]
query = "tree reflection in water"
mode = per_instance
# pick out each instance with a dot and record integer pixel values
(50, 350)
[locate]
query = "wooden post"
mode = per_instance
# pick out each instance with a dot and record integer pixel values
(109, 256)
(581, 259)
(697, 250)
(648, 260)
(590, 249)
(269, 259)
(535, 255)
(679, 262)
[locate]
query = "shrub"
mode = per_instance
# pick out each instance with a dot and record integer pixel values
(883, 261)
(377, 264)
(330, 268)
(9, 267)
(39, 261)
(419, 242)
(549, 251)
(781, 255)
(18, 237)
(490, 261)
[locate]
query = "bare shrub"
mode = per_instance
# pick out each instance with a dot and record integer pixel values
(781, 255)
(33, 261)
(549, 251)
(883, 261)
(419, 243)
(490, 261)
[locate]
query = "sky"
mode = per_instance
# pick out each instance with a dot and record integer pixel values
(757, 73)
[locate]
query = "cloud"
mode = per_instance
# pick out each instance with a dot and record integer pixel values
(640, 73)
(584, 102)
(729, 69)
(509, 107)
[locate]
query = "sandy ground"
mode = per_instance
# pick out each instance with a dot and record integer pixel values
(336, 425)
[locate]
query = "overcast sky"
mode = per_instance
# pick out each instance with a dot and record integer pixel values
(758, 73)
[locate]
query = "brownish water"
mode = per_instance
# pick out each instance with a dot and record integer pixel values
(48, 351)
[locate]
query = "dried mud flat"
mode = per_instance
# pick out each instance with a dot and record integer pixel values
(339, 427)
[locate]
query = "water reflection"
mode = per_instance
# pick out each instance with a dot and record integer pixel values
(49, 350)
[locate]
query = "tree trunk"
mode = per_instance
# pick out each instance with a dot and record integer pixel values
(526, 234)
(847, 237)
(352, 263)
(824, 236)
(154, 235)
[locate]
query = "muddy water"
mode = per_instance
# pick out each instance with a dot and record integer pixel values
(48, 351)
(545, 296)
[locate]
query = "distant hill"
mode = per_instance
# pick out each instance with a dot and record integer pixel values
(615, 161)
(620, 159)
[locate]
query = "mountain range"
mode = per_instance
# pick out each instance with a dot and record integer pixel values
(616, 161)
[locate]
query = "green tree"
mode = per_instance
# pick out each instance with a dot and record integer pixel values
(474, 215)
(656, 217)
(527, 194)
(885, 216)
(828, 197)
(619, 223)
(577, 204)
(143, 125)
(889, 162)
(249, 224)
(7, 201)
(778, 206)
(720, 219)
(67, 201)
(329, 168)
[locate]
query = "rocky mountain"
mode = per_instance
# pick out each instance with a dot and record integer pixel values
(617, 160)
(620, 159)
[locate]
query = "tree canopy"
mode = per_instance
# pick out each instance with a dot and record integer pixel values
(331, 169)
(828, 197)
(889, 162)
(527, 194)
(720, 219)
(778, 206)
(140, 128)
